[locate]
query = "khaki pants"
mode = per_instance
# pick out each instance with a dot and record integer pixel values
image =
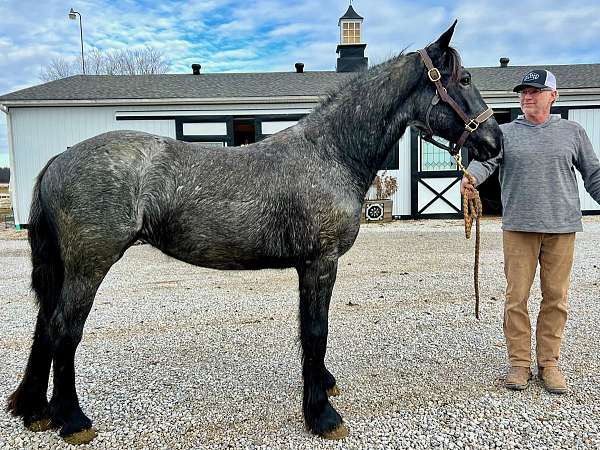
(522, 251)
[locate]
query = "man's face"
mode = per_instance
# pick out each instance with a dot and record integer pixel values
(535, 102)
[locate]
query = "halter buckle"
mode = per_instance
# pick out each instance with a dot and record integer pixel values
(472, 125)
(434, 74)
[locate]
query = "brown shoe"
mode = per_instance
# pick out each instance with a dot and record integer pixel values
(553, 380)
(517, 378)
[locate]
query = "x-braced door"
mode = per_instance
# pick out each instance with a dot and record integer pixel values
(435, 181)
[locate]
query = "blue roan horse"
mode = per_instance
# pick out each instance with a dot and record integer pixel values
(291, 200)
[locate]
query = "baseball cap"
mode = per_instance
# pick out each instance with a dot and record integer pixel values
(541, 79)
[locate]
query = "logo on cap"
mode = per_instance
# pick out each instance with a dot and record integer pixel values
(531, 76)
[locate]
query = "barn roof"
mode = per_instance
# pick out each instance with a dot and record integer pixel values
(264, 84)
(350, 14)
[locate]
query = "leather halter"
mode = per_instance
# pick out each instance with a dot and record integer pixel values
(471, 125)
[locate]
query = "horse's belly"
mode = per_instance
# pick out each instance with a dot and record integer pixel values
(227, 258)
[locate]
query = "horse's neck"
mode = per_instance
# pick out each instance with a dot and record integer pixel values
(366, 118)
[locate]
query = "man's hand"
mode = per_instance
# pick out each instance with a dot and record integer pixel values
(466, 188)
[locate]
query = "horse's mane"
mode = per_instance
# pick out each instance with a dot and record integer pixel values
(334, 93)
(452, 61)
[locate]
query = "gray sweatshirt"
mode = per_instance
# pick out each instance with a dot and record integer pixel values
(537, 174)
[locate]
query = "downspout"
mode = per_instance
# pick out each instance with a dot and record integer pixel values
(11, 161)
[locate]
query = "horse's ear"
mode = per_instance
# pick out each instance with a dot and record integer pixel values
(443, 41)
(439, 47)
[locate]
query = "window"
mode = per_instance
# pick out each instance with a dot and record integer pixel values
(205, 129)
(351, 33)
(434, 158)
(273, 127)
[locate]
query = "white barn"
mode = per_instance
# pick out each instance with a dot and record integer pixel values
(226, 109)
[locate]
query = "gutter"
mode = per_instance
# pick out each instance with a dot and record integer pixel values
(165, 101)
(290, 99)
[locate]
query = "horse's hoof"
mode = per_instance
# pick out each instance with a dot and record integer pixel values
(41, 425)
(81, 437)
(340, 432)
(334, 391)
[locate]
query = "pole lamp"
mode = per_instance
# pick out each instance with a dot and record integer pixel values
(73, 16)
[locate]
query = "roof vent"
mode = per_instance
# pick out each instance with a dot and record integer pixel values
(504, 62)
(299, 67)
(196, 69)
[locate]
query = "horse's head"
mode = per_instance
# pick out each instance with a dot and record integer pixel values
(464, 121)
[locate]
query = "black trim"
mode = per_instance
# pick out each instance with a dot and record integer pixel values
(414, 171)
(229, 138)
(230, 133)
(562, 110)
(205, 138)
(392, 162)
(179, 121)
(439, 216)
(438, 174)
(146, 118)
(258, 136)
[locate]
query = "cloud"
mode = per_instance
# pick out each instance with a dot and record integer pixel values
(236, 54)
(271, 35)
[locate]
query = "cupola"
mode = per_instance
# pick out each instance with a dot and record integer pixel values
(351, 48)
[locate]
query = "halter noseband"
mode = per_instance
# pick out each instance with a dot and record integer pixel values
(442, 94)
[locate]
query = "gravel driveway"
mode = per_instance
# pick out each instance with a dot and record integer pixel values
(175, 356)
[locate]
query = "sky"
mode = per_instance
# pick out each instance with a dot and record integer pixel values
(272, 35)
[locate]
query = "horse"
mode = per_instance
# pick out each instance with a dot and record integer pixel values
(292, 200)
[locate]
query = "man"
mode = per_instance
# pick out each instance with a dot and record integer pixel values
(541, 213)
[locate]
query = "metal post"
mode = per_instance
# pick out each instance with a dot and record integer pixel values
(72, 17)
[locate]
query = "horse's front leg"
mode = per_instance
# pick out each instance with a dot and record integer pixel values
(316, 279)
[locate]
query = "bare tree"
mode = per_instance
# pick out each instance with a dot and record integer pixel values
(59, 67)
(95, 62)
(143, 61)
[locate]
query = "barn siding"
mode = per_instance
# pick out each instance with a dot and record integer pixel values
(39, 133)
(589, 119)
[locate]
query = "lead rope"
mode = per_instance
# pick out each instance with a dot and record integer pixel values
(472, 209)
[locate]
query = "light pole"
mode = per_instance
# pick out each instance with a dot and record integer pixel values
(73, 15)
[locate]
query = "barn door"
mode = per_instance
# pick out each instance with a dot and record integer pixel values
(435, 181)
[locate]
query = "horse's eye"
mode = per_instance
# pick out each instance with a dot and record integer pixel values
(466, 80)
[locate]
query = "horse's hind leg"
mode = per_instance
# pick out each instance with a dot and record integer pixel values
(316, 284)
(29, 399)
(66, 329)
(81, 281)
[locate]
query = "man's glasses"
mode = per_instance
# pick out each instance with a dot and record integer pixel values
(532, 91)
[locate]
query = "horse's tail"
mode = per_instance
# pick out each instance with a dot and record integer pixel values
(47, 272)
(47, 277)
